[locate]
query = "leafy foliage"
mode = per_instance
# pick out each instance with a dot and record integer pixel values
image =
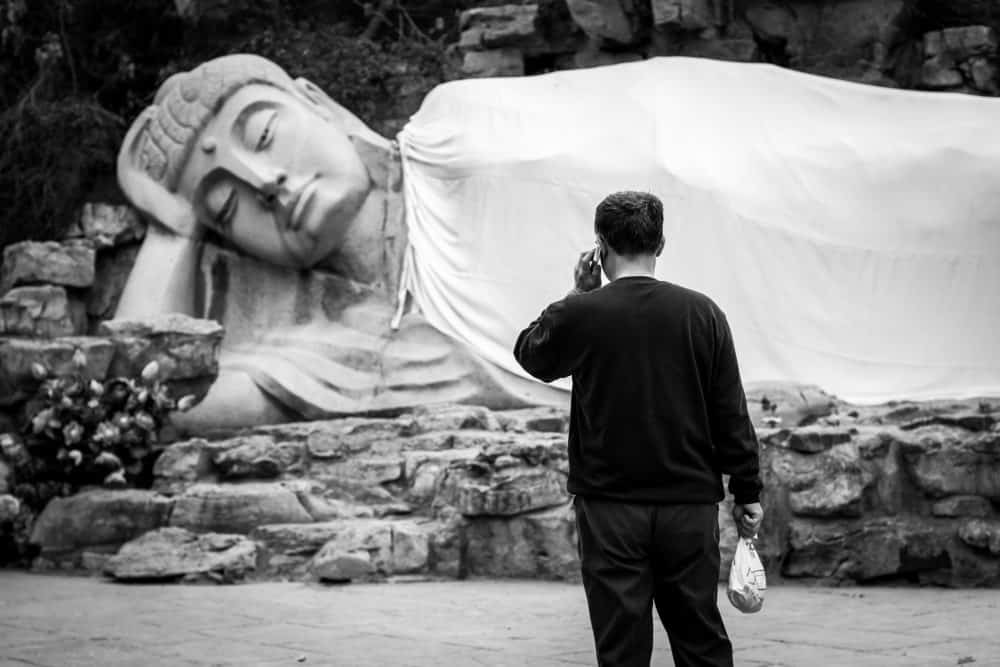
(84, 432)
(52, 155)
(365, 76)
(74, 73)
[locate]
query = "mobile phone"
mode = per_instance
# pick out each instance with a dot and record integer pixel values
(595, 257)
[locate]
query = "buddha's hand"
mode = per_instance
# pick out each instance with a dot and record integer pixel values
(587, 274)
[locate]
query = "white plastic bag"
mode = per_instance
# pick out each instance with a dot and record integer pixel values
(747, 582)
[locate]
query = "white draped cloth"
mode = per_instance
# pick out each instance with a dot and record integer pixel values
(851, 233)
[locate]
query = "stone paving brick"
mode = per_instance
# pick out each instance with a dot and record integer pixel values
(51, 621)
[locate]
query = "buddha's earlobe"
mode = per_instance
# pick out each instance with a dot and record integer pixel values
(310, 91)
(348, 123)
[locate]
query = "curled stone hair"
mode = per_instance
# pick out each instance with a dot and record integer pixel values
(186, 102)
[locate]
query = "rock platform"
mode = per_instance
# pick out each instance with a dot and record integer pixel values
(906, 492)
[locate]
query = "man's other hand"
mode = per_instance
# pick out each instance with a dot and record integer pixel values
(748, 518)
(587, 274)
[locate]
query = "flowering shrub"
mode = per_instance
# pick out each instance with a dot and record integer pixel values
(89, 432)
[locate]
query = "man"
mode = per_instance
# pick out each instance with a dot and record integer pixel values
(658, 414)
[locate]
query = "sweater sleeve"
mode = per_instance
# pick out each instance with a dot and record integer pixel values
(541, 348)
(732, 429)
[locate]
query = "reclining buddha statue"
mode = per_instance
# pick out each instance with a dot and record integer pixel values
(279, 213)
(354, 274)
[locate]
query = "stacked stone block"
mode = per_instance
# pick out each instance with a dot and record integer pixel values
(904, 493)
(56, 301)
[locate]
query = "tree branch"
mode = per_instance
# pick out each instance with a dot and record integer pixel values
(378, 19)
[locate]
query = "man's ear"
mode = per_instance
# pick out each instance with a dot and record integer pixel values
(659, 248)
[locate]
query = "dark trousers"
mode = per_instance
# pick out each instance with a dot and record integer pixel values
(633, 556)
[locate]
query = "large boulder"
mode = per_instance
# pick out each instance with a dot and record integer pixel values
(6, 475)
(181, 465)
(10, 507)
(506, 26)
(236, 508)
(475, 489)
(865, 550)
(813, 439)
(339, 439)
(493, 63)
(451, 418)
(423, 471)
(352, 549)
(114, 265)
(543, 419)
(17, 355)
(184, 347)
(358, 551)
(685, 14)
(362, 549)
(98, 519)
(43, 311)
(176, 553)
(540, 544)
(31, 263)
(790, 405)
(364, 470)
(257, 457)
(981, 534)
(831, 483)
(945, 461)
(960, 55)
(108, 225)
(962, 506)
(612, 20)
(287, 549)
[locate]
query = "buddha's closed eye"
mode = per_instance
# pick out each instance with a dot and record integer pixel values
(260, 129)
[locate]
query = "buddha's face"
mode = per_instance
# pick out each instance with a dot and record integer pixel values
(274, 177)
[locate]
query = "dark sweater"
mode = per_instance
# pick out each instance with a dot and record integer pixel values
(658, 412)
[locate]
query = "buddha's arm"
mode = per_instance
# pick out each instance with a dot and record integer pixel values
(163, 277)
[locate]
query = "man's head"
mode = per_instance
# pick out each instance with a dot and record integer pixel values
(629, 228)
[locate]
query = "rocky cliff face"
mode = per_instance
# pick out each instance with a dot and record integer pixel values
(913, 44)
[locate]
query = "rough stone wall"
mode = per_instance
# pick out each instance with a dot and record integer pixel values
(57, 299)
(882, 42)
(903, 493)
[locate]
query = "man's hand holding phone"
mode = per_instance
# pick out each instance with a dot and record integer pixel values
(587, 274)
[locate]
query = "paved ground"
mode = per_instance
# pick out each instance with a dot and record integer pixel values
(56, 621)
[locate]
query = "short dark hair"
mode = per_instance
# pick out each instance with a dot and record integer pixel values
(630, 222)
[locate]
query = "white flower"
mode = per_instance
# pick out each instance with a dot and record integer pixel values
(151, 370)
(186, 403)
(108, 460)
(115, 479)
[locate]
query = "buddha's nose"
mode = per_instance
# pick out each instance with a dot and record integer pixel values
(273, 189)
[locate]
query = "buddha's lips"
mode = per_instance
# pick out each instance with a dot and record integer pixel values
(300, 205)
